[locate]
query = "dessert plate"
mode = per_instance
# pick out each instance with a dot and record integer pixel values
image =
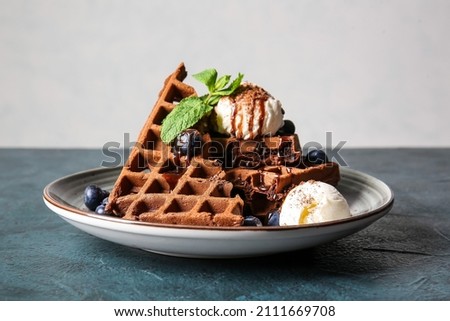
(368, 197)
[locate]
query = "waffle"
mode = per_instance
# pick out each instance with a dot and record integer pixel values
(265, 188)
(228, 179)
(263, 171)
(153, 187)
(266, 151)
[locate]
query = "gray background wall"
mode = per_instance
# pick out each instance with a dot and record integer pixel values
(83, 73)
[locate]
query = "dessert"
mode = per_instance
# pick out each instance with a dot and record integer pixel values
(158, 186)
(227, 158)
(249, 113)
(313, 202)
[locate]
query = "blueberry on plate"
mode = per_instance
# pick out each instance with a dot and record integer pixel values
(252, 221)
(274, 218)
(100, 209)
(316, 157)
(105, 201)
(94, 196)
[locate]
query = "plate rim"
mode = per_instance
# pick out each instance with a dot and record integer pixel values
(345, 171)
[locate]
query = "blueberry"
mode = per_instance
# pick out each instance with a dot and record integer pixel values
(100, 209)
(287, 129)
(105, 201)
(274, 218)
(252, 221)
(188, 143)
(93, 196)
(316, 157)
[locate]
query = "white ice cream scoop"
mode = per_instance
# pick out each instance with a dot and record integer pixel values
(313, 202)
(248, 113)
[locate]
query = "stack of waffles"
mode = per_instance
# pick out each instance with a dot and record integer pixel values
(226, 180)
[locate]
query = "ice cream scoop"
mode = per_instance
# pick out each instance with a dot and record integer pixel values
(313, 202)
(249, 112)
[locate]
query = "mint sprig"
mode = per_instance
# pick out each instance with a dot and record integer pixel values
(191, 109)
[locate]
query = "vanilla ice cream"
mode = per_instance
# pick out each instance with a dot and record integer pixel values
(248, 113)
(313, 202)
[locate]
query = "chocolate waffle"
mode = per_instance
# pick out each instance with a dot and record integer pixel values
(227, 179)
(154, 187)
(265, 188)
(267, 151)
(263, 171)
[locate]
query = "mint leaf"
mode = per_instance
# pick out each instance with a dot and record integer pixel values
(191, 109)
(231, 89)
(222, 82)
(207, 77)
(186, 114)
(214, 99)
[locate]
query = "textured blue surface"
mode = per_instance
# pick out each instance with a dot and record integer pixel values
(403, 256)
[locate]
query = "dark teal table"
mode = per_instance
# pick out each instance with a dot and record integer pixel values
(403, 256)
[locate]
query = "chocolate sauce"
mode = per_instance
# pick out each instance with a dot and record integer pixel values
(239, 182)
(262, 187)
(247, 99)
(233, 118)
(177, 159)
(262, 115)
(251, 115)
(269, 191)
(239, 125)
(173, 177)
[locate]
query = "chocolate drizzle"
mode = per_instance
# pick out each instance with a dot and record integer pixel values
(262, 115)
(246, 100)
(233, 117)
(261, 185)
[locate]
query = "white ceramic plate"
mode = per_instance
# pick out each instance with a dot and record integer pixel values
(369, 199)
